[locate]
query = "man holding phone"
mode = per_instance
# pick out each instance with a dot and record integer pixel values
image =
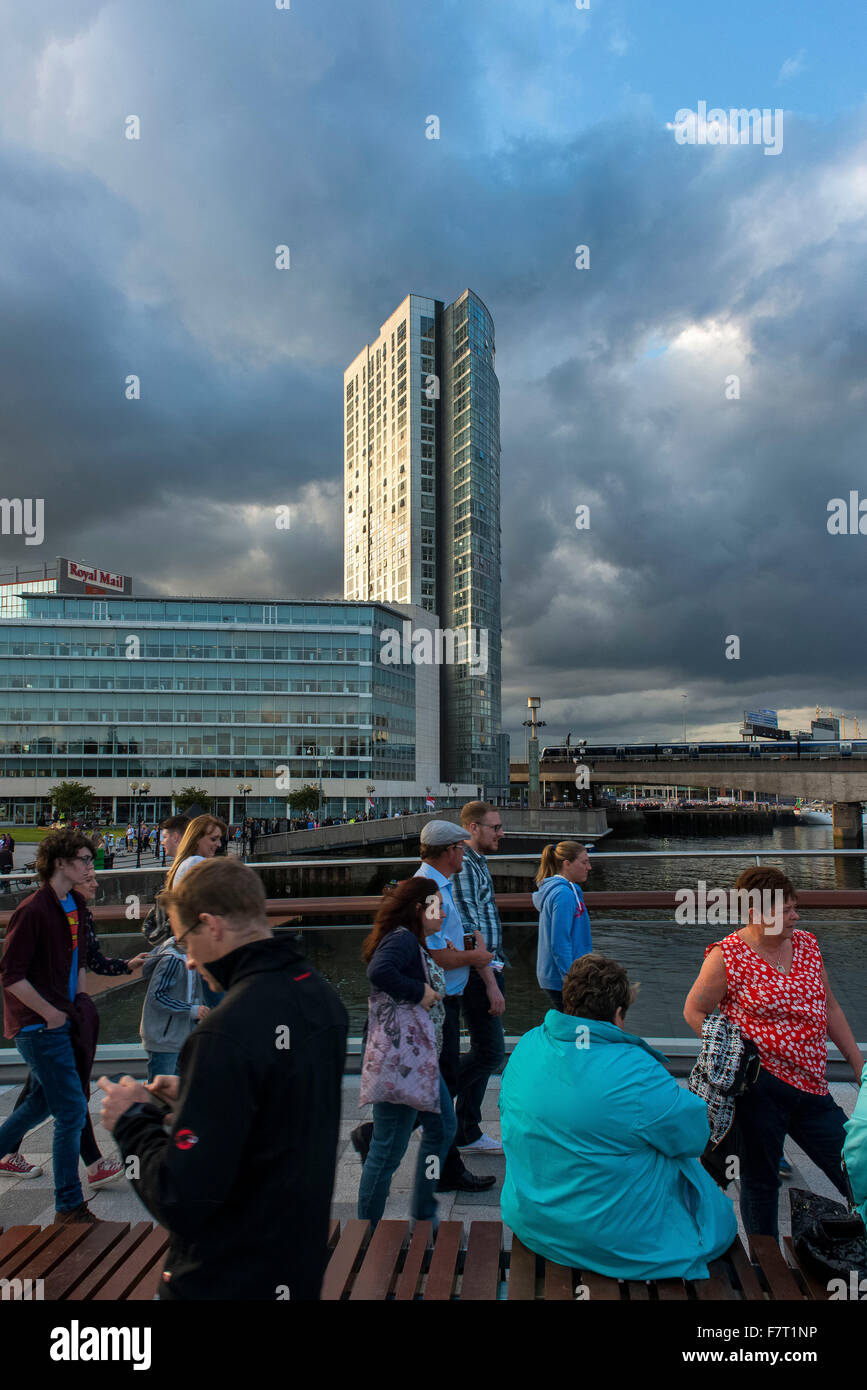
(236, 1158)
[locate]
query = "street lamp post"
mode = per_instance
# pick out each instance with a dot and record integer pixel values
(319, 810)
(370, 789)
(244, 788)
(139, 789)
(533, 724)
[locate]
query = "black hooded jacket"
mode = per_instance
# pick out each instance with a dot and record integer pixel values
(243, 1180)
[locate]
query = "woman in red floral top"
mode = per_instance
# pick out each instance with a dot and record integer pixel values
(769, 979)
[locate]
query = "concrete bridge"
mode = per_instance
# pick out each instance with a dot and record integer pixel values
(840, 781)
(552, 824)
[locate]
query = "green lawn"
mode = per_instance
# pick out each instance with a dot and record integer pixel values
(32, 834)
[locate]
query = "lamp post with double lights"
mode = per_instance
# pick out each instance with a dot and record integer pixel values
(245, 789)
(139, 789)
(534, 725)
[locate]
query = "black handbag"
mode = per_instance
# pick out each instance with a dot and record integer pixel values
(156, 927)
(829, 1241)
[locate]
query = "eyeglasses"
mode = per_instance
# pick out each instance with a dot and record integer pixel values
(180, 940)
(85, 859)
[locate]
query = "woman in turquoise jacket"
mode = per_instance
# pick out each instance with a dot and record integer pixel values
(602, 1146)
(564, 927)
(855, 1149)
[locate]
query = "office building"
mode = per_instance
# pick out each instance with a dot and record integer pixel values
(213, 693)
(422, 503)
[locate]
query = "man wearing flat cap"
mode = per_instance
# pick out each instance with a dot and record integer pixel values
(442, 853)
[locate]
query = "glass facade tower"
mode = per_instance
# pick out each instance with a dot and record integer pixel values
(422, 504)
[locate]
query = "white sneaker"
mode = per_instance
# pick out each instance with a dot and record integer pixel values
(483, 1145)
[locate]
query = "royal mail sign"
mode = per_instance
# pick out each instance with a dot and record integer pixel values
(74, 577)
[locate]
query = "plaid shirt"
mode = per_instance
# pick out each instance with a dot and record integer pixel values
(473, 890)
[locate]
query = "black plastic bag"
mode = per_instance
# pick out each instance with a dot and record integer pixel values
(829, 1241)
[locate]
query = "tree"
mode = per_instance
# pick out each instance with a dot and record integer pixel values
(70, 798)
(192, 796)
(304, 799)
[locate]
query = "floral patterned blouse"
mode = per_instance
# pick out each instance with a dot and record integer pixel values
(785, 1015)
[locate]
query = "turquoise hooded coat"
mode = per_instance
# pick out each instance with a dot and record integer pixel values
(602, 1156)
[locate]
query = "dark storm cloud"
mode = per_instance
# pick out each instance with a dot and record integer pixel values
(157, 258)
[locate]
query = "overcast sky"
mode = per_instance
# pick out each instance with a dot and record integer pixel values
(306, 127)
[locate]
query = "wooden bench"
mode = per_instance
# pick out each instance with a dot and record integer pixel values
(395, 1263)
(116, 1261)
(113, 1261)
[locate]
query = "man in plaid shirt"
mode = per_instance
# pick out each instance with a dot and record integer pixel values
(483, 1001)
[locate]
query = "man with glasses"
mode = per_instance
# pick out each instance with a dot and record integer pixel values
(237, 1154)
(42, 972)
(483, 1002)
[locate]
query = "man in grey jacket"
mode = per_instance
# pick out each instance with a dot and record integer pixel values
(172, 1007)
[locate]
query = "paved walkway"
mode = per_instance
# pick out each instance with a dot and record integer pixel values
(24, 1201)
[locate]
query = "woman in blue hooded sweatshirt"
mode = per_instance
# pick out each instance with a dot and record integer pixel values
(564, 927)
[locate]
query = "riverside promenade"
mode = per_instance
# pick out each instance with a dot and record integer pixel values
(30, 1201)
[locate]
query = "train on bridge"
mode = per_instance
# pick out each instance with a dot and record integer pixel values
(642, 752)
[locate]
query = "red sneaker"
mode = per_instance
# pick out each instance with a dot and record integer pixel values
(106, 1171)
(18, 1167)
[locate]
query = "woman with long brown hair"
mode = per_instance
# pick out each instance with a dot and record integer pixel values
(564, 927)
(405, 980)
(201, 840)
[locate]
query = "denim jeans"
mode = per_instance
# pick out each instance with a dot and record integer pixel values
(392, 1127)
(55, 1090)
(485, 1058)
(88, 1147)
(162, 1064)
(765, 1114)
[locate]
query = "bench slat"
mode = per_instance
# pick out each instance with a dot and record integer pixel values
(522, 1272)
(781, 1280)
(638, 1292)
(151, 1249)
(815, 1288)
(443, 1266)
(752, 1289)
(601, 1287)
(98, 1242)
(148, 1286)
(13, 1241)
(54, 1253)
(407, 1284)
(716, 1288)
(56, 1239)
(338, 1273)
(379, 1266)
(86, 1288)
(559, 1283)
(481, 1276)
(671, 1290)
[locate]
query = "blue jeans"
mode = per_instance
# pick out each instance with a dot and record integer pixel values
(392, 1127)
(764, 1115)
(162, 1064)
(56, 1090)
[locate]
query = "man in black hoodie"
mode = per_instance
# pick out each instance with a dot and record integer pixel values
(236, 1156)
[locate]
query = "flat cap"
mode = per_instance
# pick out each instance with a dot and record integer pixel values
(439, 834)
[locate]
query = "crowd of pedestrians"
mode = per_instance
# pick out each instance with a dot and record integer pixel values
(610, 1165)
